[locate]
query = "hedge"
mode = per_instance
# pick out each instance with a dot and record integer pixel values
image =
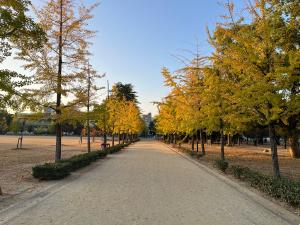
(222, 165)
(284, 189)
(78, 161)
(51, 171)
(63, 168)
(117, 148)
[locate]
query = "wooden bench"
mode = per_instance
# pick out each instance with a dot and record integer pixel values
(104, 146)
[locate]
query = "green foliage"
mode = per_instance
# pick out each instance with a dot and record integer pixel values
(119, 147)
(51, 171)
(5, 121)
(124, 92)
(221, 165)
(21, 31)
(116, 148)
(9, 83)
(17, 27)
(78, 161)
(284, 189)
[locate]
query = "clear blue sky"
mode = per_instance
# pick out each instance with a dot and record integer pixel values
(136, 38)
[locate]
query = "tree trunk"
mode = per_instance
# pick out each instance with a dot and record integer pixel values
(193, 142)
(127, 136)
(113, 139)
(229, 140)
(255, 140)
(88, 137)
(222, 145)
(105, 138)
(58, 137)
(20, 140)
(274, 154)
(197, 141)
(59, 89)
(293, 135)
(222, 140)
(202, 142)
(119, 137)
(294, 148)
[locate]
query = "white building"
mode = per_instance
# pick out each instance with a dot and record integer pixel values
(147, 118)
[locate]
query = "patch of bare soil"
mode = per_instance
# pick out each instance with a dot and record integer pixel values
(15, 165)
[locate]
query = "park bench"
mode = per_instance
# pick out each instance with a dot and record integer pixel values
(104, 146)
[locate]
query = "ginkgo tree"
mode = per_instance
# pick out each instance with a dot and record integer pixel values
(186, 85)
(59, 66)
(119, 115)
(252, 77)
(251, 53)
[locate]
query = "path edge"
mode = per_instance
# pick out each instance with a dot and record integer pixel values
(267, 204)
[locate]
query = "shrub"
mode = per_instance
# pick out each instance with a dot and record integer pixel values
(118, 148)
(115, 148)
(237, 171)
(61, 169)
(221, 165)
(135, 140)
(284, 189)
(51, 171)
(79, 161)
(195, 154)
(102, 154)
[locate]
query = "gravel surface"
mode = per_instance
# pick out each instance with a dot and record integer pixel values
(147, 184)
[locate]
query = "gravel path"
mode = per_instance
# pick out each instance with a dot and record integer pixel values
(147, 184)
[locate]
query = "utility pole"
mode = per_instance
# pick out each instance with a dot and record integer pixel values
(106, 119)
(199, 132)
(107, 89)
(88, 110)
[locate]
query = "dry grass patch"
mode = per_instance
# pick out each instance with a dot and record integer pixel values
(253, 157)
(16, 165)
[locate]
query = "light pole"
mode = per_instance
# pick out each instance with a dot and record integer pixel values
(88, 110)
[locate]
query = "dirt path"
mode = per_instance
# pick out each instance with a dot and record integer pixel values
(147, 184)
